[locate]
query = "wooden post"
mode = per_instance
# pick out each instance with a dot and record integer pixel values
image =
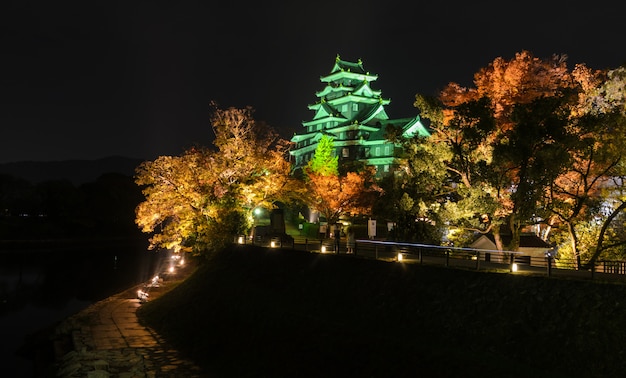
(549, 265)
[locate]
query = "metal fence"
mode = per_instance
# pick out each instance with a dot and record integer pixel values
(466, 258)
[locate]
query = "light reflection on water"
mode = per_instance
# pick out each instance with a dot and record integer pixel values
(41, 288)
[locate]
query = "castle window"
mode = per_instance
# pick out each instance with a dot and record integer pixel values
(345, 152)
(377, 151)
(386, 151)
(355, 107)
(344, 108)
(386, 168)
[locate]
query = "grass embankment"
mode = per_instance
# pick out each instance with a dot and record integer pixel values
(279, 313)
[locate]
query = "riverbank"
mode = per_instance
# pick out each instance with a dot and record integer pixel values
(107, 339)
(40, 287)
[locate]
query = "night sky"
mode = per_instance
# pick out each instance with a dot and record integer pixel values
(91, 79)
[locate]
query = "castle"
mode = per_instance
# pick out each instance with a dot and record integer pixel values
(353, 113)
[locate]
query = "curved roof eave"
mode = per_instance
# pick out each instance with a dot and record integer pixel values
(325, 119)
(376, 110)
(300, 137)
(303, 150)
(365, 86)
(414, 127)
(330, 89)
(349, 75)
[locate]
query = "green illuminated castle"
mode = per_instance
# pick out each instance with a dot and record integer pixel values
(353, 114)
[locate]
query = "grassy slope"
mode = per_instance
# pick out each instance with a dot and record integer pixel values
(252, 312)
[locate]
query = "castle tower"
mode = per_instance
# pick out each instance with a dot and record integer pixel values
(353, 113)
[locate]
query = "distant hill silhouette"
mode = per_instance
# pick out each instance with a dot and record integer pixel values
(76, 171)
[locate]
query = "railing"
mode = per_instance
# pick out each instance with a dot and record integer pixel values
(467, 258)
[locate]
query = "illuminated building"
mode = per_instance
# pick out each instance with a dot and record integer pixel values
(350, 111)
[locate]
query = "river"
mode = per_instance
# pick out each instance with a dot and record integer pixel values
(40, 287)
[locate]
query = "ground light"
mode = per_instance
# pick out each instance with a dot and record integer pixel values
(142, 295)
(514, 267)
(323, 249)
(400, 256)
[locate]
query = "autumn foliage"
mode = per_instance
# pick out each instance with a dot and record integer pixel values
(198, 201)
(531, 143)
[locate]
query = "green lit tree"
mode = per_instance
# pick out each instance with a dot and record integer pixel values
(323, 162)
(413, 196)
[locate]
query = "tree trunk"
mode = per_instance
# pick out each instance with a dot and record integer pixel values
(605, 226)
(515, 233)
(574, 243)
(497, 238)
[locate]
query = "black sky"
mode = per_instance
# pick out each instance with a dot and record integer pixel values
(90, 79)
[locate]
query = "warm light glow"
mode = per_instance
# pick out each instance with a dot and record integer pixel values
(514, 267)
(155, 280)
(400, 257)
(182, 261)
(171, 269)
(142, 295)
(273, 244)
(323, 249)
(240, 240)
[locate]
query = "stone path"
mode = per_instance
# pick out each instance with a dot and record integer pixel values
(108, 341)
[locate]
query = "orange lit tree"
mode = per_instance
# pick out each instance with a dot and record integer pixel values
(200, 200)
(587, 199)
(509, 138)
(332, 194)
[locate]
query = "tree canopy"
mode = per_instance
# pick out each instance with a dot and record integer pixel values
(332, 194)
(529, 143)
(324, 163)
(200, 200)
(532, 142)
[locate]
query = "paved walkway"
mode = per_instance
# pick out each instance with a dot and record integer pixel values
(108, 341)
